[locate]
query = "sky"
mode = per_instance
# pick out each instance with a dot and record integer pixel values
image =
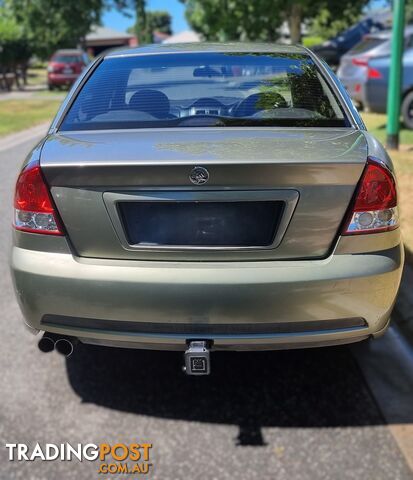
(120, 22)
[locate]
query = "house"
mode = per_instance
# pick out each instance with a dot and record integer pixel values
(104, 38)
(183, 37)
(160, 37)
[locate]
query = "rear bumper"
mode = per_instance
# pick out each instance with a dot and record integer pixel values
(376, 97)
(61, 79)
(238, 305)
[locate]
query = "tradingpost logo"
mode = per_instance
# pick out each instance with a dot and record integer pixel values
(118, 458)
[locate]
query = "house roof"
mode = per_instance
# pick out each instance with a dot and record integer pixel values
(183, 37)
(106, 33)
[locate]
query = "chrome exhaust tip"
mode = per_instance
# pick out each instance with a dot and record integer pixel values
(64, 346)
(47, 343)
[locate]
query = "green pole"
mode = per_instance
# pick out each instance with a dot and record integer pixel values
(395, 78)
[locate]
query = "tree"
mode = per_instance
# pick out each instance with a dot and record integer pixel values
(327, 24)
(409, 11)
(260, 19)
(222, 20)
(142, 30)
(338, 15)
(146, 21)
(159, 20)
(50, 25)
(141, 26)
(156, 20)
(15, 51)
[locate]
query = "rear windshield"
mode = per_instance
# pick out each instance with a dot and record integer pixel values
(67, 58)
(367, 44)
(204, 89)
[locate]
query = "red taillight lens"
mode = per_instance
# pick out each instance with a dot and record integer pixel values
(359, 62)
(33, 206)
(375, 204)
(373, 73)
(377, 190)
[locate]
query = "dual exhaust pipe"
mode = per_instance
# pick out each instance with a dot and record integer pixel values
(197, 355)
(51, 341)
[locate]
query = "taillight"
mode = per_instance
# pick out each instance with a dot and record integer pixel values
(375, 205)
(373, 73)
(34, 211)
(359, 62)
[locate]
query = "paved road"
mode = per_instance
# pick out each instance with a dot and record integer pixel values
(281, 415)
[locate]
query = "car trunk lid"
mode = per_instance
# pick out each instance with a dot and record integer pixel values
(271, 193)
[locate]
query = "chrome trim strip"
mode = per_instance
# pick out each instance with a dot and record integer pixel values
(289, 197)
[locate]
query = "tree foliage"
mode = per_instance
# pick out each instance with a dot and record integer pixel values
(223, 20)
(147, 21)
(327, 23)
(142, 28)
(259, 20)
(53, 24)
(159, 20)
(156, 21)
(409, 11)
(15, 50)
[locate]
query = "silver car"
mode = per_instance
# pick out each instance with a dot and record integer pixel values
(207, 197)
(353, 70)
(376, 87)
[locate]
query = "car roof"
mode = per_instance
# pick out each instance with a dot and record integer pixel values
(68, 51)
(235, 47)
(386, 34)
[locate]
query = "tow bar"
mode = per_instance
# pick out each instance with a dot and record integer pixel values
(197, 359)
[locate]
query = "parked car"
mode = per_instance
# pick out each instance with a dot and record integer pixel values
(332, 50)
(65, 66)
(353, 66)
(378, 82)
(207, 197)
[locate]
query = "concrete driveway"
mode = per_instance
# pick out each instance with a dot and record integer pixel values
(309, 414)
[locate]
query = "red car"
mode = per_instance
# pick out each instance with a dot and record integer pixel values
(65, 66)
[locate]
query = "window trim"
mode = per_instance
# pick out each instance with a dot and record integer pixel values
(76, 89)
(342, 96)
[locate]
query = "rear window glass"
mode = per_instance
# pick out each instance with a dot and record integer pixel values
(204, 89)
(67, 58)
(367, 44)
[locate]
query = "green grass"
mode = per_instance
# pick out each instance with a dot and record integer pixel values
(403, 164)
(17, 115)
(376, 124)
(51, 94)
(310, 41)
(36, 76)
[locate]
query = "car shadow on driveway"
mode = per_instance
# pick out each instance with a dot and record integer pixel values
(298, 388)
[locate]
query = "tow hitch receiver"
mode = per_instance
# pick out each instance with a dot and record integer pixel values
(197, 361)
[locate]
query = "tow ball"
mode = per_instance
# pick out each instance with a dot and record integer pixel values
(197, 358)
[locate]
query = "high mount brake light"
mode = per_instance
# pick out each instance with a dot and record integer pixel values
(360, 62)
(375, 205)
(34, 210)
